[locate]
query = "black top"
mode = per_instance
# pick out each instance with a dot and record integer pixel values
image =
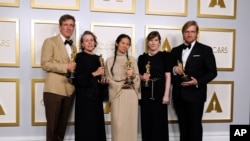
(86, 64)
(160, 64)
(89, 115)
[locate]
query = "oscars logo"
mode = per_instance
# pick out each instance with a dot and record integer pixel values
(166, 46)
(1, 110)
(214, 105)
(5, 43)
(217, 2)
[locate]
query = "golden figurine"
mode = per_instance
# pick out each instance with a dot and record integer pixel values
(72, 59)
(147, 66)
(185, 77)
(101, 60)
(128, 64)
(73, 56)
(129, 80)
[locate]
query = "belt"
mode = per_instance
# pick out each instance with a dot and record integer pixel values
(154, 79)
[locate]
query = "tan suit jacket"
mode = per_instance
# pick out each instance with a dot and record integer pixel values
(54, 60)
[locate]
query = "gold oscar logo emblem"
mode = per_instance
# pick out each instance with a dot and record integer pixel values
(1, 110)
(214, 105)
(166, 46)
(217, 2)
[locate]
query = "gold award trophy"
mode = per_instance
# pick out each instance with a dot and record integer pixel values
(147, 66)
(129, 80)
(184, 77)
(72, 59)
(101, 60)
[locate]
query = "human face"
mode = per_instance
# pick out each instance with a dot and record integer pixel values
(190, 34)
(154, 44)
(88, 43)
(123, 45)
(67, 28)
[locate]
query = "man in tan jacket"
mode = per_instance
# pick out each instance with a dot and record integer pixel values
(58, 92)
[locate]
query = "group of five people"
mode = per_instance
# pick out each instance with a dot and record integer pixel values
(130, 83)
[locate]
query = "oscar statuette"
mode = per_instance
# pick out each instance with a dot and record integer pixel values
(185, 77)
(101, 60)
(146, 82)
(129, 80)
(72, 59)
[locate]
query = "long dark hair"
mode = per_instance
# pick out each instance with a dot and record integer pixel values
(117, 41)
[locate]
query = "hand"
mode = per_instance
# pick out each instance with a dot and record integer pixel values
(165, 99)
(71, 66)
(146, 76)
(99, 71)
(103, 81)
(178, 70)
(190, 83)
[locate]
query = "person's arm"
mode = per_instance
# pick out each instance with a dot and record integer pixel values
(168, 68)
(167, 88)
(143, 76)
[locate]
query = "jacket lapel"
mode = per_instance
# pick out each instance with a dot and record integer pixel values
(193, 52)
(180, 53)
(61, 49)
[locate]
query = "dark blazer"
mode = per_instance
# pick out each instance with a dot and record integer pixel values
(201, 65)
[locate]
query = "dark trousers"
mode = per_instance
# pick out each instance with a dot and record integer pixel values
(190, 119)
(57, 110)
(154, 121)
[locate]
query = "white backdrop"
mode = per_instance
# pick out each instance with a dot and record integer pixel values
(25, 14)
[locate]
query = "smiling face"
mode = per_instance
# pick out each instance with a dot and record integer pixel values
(123, 45)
